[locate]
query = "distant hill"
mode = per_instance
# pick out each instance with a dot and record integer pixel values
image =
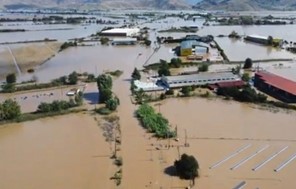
(246, 5)
(143, 4)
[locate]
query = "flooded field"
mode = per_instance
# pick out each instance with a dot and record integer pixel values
(216, 129)
(70, 151)
(60, 152)
(91, 59)
(19, 58)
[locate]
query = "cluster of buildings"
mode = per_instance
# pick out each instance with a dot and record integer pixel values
(212, 79)
(122, 36)
(195, 47)
(190, 47)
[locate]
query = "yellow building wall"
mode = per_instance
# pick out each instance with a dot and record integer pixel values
(186, 52)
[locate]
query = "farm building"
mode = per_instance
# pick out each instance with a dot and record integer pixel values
(264, 40)
(257, 39)
(198, 79)
(227, 84)
(124, 32)
(276, 86)
(124, 41)
(190, 47)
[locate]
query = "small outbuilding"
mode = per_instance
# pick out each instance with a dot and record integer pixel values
(124, 41)
(124, 32)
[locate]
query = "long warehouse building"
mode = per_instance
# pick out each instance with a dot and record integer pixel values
(198, 79)
(276, 86)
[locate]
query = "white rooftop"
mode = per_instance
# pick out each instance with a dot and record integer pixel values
(258, 36)
(147, 86)
(122, 30)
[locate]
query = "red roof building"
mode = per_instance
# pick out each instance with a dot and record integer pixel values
(276, 86)
(227, 84)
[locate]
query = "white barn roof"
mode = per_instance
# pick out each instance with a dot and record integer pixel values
(127, 31)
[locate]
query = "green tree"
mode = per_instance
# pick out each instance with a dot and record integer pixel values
(104, 95)
(63, 80)
(10, 78)
(112, 103)
(154, 122)
(246, 20)
(164, 69)
(204, 67)
(176, 62)
(236, 70)
(104, 81)
(91, 77)
(270, 40)
(246, 77)
(140, 96)
(73, 78)
(187, 167)
(147, 42)
(186, 90)
(248, 63)
(104, 40)
(8, 88)
(44, 107)
(136, 74)
(9, 109)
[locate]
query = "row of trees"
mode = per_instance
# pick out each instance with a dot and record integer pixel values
(247, 94)
(60, 105)
(66, 45)
(71, 79)
(164, 68)
(104, 83)
(154, 122)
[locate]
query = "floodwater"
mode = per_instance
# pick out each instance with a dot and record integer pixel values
(96, 59)
(70, 152)
(59, 152)
(217, 128)
(91, 59)
(239, 50)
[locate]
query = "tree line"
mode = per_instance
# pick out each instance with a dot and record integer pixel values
(71, 79)
(106, 96)
(11, 110)
(154, 122)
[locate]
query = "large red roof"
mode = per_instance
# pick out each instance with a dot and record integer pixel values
(278, 81)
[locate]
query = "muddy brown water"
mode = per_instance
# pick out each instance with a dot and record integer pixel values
(59, 152)
(70, 151)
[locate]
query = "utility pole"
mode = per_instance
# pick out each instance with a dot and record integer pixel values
(186, 143)
(178, 148)
(115, 143)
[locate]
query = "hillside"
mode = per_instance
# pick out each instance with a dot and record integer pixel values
(246, 5)
(146, 4)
